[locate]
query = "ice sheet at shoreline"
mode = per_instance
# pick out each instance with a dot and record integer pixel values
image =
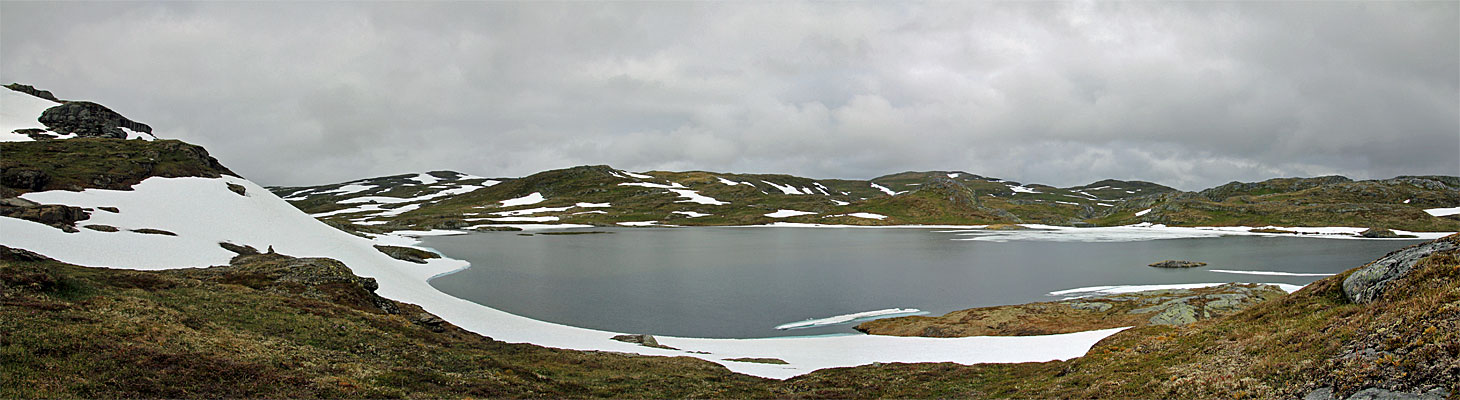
(1142, 232)
(845, 318)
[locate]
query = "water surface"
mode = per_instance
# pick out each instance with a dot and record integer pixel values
(742, 282)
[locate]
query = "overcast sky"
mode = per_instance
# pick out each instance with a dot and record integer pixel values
(1189, 94)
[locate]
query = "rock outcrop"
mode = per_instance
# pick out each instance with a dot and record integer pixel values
(1178, 264)
(87, 119)
(1370, 282)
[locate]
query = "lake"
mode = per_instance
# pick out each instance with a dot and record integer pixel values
(743, 282)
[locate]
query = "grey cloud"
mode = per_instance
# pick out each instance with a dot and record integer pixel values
(1187, 94)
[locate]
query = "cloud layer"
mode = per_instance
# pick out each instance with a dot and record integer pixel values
(1190, 94)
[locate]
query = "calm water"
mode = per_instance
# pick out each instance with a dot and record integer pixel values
(742, 282)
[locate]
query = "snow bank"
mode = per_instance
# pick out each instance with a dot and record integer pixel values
(1143, 212)
(845, 318)
(203, 212)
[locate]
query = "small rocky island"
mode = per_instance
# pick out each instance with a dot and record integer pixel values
(1178, 264)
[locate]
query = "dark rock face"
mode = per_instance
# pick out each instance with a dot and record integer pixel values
(237, 188)
(59, 216)
(31, 90)
(1178, 264)
(87, 119)
(1370, 282)
(26, 179)
(241, 249)
(13, 254)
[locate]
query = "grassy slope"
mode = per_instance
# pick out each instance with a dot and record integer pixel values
(250, 331)
(74, 164)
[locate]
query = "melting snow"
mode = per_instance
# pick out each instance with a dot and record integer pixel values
(729, 182)
(953, 175)
(592, 205)
(639, 223)
(640, 176)
(839, 202)
(1143, 212)
(534, 198)
(868, 215)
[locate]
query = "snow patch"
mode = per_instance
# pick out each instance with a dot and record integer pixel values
(425, 179)
(592, 205)
(691, 214)
(868, 215)
(788, 189)
(788, 213)
(1022, 189)
(639, 223)
(534, 198)
(1440, 212)
(884, 189)
(532, 211)
(1143, 212)
(640, 176)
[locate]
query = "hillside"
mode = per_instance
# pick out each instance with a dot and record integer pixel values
(604, 196)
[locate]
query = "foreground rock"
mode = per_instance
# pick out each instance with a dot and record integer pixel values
(1158, 307)
(1371, 281)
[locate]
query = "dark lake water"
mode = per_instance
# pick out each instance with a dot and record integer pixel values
(742, 282)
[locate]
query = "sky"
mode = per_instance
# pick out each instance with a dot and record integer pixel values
(1187, 94)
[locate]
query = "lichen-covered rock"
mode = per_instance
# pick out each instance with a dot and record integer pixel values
(319, 278)
(1176, 314)
(1370, 282)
